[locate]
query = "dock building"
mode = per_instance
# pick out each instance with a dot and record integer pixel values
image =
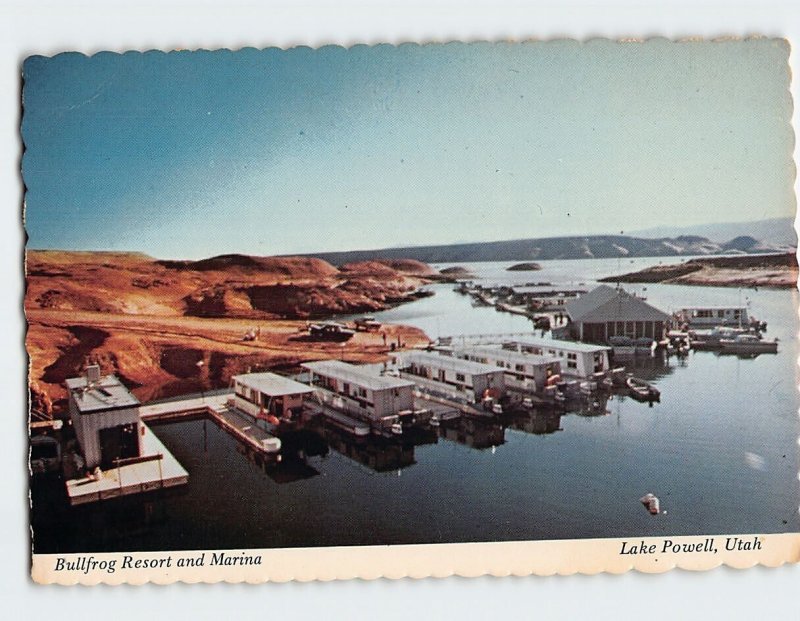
(358, 391)
(469, 379)
(526, 372)
(607, 312)
(123, 456)
(578, 360)
(262, 395)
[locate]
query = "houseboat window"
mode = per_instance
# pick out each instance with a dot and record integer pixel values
(572, 365)
(346, 388)
(442, 375)
(720, 313)
(519, 367)
(572, 356)
(459, 377)
(598, 362)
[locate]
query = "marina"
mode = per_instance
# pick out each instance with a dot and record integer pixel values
(442, 439)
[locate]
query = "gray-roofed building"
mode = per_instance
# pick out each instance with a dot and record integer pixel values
(360, 391)
(606, 312)
(105, 416)
(263, 394)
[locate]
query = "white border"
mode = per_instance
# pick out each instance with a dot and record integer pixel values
(91, 25)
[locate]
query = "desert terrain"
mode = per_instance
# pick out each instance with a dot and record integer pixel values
(169, 327)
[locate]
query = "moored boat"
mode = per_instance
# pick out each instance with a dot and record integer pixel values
(641, 390)
(748, 344)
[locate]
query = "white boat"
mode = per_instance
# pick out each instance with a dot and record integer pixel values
(641, 390)
(747, 344)
(397, 429)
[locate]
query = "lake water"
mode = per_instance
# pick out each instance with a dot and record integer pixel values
(720, 450)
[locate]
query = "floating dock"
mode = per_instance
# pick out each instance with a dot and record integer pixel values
(156, 469)
(215, 407)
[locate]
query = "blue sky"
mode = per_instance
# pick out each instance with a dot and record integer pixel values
(192, 154)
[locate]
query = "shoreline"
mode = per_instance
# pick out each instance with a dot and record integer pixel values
(775, 271)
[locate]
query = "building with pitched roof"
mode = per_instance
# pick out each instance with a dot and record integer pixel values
(606, 312)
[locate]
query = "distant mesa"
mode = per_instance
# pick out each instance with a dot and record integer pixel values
(524, 267)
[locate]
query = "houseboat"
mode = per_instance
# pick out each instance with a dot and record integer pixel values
(464, 378)
(713, 316)
(578, 360)
(362, 393)
(269, 396)
(523, 372)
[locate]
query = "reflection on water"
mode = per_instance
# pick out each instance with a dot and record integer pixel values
(473, 432)
(509, 479)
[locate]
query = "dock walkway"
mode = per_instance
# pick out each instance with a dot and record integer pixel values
(239, 425)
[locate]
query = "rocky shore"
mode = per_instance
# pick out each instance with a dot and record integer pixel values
(773, 270)
(154, 322)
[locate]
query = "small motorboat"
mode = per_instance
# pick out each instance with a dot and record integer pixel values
(650, 501)
(747, 344)
(397, 429)
(641, 390)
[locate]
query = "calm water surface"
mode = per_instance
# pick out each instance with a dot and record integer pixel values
(720, 450)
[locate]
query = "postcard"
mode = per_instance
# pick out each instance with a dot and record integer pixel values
(421, 310)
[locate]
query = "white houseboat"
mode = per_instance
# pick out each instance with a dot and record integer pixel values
(712, 316)
(361, 392)
(267, 395)
(465, 378)
(526, 372)
(578, 360)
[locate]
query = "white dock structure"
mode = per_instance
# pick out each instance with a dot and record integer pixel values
(472, 380)
(360, 392)
(120, 454)
(525, 372)
(578, 360)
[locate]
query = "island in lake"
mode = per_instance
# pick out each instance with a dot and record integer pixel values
(524, 267)
(766, 270)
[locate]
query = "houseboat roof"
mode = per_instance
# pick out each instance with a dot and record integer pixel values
(547, 291)
(507, 354)
(713, 307)
(106, 393)
(362, 376)
(448, 362)
(574, 346)
(606, 303)
(272, 384)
